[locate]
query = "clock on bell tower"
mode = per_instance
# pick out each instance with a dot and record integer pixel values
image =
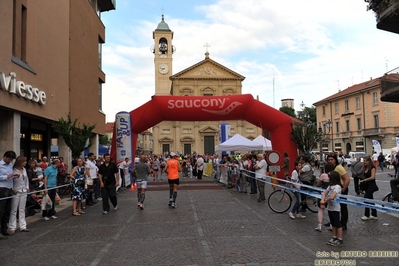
(163, 56)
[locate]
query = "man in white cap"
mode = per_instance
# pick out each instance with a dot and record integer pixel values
(173, 168)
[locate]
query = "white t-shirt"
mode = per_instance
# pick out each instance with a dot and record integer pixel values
(375, 157)
(92, 169)
(295, 179)
(200, 164)
(261, 172)
(332, 205)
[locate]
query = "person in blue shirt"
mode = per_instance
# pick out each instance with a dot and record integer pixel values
(6, 183)
(50, 184)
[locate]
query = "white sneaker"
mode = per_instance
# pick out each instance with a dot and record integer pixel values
(318, 228)
(300, 216)
(373, 217)
(291, 215)
(46, 219)
(54, 217)
(365, 218)
(105, 212)
(141, 206)
(116, 207)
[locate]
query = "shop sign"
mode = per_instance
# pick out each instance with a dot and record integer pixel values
(36, 137)
(9, 83)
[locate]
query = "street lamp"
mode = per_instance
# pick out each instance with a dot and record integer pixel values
(321, 159)
(329, 126)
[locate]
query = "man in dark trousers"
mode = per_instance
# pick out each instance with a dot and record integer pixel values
(6, 184)
(109, 180)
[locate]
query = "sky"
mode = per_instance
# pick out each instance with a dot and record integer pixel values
(303, 50)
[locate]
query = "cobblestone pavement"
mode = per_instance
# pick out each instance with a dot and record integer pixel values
(210, 226)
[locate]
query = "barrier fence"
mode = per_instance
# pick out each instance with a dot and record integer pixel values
(344, 199)
(35, 191)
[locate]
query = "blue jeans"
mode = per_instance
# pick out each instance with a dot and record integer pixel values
(381, 166)
(297, 204)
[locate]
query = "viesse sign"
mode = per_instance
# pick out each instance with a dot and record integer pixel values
(9, 83)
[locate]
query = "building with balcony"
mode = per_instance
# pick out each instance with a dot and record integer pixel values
(50, 65)
(353, 117)
(386, 13)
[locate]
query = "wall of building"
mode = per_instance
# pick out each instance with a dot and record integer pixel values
(362, 101)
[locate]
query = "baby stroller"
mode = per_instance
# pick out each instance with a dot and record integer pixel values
(31, 206)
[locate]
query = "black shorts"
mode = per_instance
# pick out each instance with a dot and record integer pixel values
(174, 181)
(155, 169)
(334, 218)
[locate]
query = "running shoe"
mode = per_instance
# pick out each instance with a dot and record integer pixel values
(329, 242)
(173, 205)
(170, 202)
(291, 215)
(141, 206)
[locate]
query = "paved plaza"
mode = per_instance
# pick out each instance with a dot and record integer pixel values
(210, 226)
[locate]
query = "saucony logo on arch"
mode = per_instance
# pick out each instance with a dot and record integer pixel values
(204, 103)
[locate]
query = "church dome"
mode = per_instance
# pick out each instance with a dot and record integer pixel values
(162, 26)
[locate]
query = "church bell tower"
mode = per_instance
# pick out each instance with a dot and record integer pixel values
(163, 56)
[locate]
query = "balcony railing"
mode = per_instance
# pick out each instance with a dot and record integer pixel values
(386, 13)
(107, 5)
(390, 88)
(373, 131)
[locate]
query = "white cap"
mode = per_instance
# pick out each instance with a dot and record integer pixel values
(173, 154)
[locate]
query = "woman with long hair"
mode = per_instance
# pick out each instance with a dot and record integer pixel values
(78, 183)
(18, 202)
(369, 186)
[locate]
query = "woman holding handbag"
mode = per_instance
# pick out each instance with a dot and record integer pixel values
(369, 186)
(78, 183)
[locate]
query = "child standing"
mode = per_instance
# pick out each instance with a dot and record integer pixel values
(333, 208)
(295, 179)
(323, 182)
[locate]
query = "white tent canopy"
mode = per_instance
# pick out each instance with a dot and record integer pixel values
(267, 144)
(238, 143)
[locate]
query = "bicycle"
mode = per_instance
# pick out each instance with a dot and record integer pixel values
(280, 200)
(66, 185)
(389, 197)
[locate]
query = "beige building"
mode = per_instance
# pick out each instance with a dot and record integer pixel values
(206, 78)
(353, 117)
(50, 65)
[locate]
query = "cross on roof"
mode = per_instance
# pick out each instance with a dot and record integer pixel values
(207, 46)
(162, 10)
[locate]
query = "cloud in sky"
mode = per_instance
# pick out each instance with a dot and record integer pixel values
(309, 48)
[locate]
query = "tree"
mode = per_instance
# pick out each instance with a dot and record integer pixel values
(305, 136)
(74, 136)
(288, 110)
(104, 140)
(305, 133)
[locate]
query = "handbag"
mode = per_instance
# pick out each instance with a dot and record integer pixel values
(88, 183)
(80, 183)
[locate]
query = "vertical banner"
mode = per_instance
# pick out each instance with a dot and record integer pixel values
(397, 144)
(224, 129)
(377, 146)
(123, 141)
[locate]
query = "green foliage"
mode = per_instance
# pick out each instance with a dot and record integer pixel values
(288, 110)
(74, 135)
(306, 137)
(308, 114)
(306, 134)
(104, 140)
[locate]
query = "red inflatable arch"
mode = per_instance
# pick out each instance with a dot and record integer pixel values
(216, 108)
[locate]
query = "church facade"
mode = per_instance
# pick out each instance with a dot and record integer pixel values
(206, 78)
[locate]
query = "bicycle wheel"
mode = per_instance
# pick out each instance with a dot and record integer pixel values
(311, 203)
(388, 198)
(279, 201)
